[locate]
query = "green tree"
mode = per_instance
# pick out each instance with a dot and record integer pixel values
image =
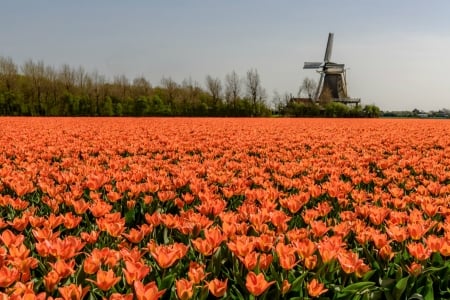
(141, 106)
(372, 111)
(107, 109)
(336, 109)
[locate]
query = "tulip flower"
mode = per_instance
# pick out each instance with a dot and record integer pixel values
(218, 287)
(257, 284)
(105, 280)
(315, 289)
(148, 291)
(184, 288)
(73, 292)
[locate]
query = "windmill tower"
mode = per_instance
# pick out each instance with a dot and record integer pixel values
(332, 83)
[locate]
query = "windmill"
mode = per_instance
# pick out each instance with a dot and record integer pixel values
(332, 82)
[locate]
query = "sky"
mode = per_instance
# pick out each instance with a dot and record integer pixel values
(397, 53)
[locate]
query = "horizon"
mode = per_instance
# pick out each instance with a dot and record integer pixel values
(403, 43)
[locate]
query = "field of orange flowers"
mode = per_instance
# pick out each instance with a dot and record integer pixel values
(159, 208)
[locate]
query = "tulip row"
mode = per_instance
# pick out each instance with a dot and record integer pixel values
(224, 208)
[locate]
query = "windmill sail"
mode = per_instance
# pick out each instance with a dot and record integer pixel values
(312, 65)
(329, 47)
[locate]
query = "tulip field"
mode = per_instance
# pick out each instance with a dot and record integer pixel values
(205, 208)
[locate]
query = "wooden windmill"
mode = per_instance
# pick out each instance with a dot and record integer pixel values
(332, 83)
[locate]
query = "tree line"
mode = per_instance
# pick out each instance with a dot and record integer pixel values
(37, 89)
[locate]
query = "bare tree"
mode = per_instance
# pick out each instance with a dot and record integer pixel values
(81, 78)
(190, 93)
(67, 77)
(254, 89)
(232, 88)
(8, 72)
(36, 72)
(171, 88)
(51, 89)
(141, 87)
(214, 86)
(122, 84)
(8, 78)
(97, 88)
(308, 87)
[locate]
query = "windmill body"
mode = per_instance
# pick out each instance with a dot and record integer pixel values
(332, 83)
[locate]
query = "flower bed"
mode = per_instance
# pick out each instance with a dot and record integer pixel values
(235, 208)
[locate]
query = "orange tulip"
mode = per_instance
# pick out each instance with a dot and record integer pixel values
(265, 242)
(311, 262)
(90, 238)
(10, 239)
(196, 272)
(434, 243)
(286, 256)
(117, 296)
(349, 261)
(242, 245)
(203, 246)
(386, 252)
(91, 264)
(80, 207)
(135, 271)
(184, 289)
(257, 284)
(73, 292)
(214, 236)
(148, 291)
(265, 260)
(63, 268)
(135, 236)
(105, 280)
(285, 287)
(445, 247)
(318, 228)
(8, 276)
(414, 269)
(42, 234)
(19, 252)
(417, 230)
(380, 240)
(166, 256)
(304, 247)
(418, 251)
(398, 234)
(51, 280)
(218, 287)
(250, 260)
(315, 289)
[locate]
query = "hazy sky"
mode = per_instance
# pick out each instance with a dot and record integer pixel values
(397, 51)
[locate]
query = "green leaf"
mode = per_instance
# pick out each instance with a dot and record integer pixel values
(416, 296)
(356, 297)
(166, 236)
(355, 288)
(400, 287)
(388, 283)
(428, 292)
(130, 216)
(204, 293)
(167, 281)
(296, 285)
(369, 274)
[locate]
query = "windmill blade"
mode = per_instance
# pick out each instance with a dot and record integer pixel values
(329, 47)
(319, 86)
(334, 68)
(312, 65)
